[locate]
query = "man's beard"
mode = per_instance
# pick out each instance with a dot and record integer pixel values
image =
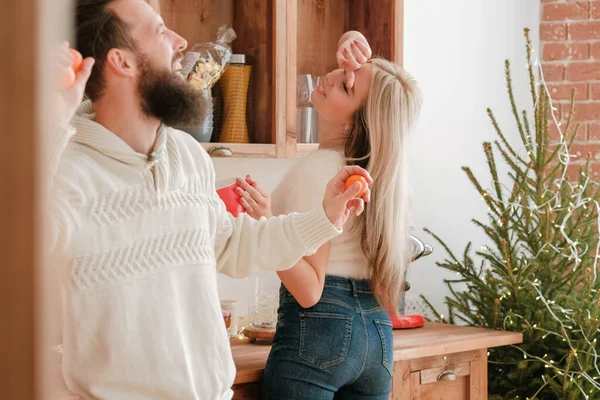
(167, 97)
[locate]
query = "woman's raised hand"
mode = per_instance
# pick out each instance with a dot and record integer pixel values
(351, 55)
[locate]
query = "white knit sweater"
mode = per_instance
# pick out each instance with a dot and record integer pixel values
(144, 238)
(302, 189)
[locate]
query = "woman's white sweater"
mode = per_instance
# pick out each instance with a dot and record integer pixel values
(302, 189)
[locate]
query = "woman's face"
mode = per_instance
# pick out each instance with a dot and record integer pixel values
(337, 103)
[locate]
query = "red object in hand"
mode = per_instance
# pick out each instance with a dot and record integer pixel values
(232, 199)
(407, 321)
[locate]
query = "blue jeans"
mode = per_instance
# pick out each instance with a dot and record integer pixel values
(341, 348)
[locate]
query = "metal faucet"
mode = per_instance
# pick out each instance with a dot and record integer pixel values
(419, 249)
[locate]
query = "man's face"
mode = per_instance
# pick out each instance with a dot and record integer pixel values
(162, 46)
(163, 92)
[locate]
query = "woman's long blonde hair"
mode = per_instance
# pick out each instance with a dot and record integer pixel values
(378, 141)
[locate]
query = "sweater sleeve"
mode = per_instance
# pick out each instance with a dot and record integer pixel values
(60, 218)
(244, 245)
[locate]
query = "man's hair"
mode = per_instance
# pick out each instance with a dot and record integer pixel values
(98, 29)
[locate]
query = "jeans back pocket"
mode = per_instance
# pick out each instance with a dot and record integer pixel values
(324, 338)
(386, 334)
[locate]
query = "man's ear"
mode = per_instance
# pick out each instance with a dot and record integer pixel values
(121, 62)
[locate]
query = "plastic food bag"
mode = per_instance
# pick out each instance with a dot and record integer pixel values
(204, 64)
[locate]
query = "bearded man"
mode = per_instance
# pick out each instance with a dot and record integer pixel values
(137, 224)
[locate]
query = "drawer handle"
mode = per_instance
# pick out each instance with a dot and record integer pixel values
(221, 151)
(447, 376)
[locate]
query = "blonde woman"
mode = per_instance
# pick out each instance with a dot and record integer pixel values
(334, 335)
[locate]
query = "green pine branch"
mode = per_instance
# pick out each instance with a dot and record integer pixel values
(528, 281)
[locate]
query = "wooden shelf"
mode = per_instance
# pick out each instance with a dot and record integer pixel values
(250, 150)
(260, 150)
(285, 38)
(197, 21)
(320, 24)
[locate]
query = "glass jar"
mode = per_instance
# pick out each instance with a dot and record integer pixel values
(264, 300)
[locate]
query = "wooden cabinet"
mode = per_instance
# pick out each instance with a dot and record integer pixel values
(285, 38)
(445, 362)
(454, 376)
(437, 361)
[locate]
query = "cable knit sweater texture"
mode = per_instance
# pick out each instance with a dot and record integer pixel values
(141, 240)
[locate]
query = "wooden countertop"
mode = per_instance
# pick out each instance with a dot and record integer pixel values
(431, 340)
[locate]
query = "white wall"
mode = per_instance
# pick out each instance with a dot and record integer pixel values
(456, 50)
(268, 173)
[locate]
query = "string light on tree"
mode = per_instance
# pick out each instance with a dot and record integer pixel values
(538, 272)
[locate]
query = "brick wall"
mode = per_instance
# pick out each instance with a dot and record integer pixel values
(570, 46)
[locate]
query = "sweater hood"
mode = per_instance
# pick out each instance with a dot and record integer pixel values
(92, 134)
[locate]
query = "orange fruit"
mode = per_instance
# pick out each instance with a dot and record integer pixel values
(77, 60)
(357, 178)
(66, 79)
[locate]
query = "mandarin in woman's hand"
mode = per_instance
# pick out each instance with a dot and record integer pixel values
(357, 178)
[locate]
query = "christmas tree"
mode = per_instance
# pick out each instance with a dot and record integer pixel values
(538, 273)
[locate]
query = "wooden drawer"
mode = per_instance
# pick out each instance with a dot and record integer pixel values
(447, 373)
(447, 382)
(454, 376)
